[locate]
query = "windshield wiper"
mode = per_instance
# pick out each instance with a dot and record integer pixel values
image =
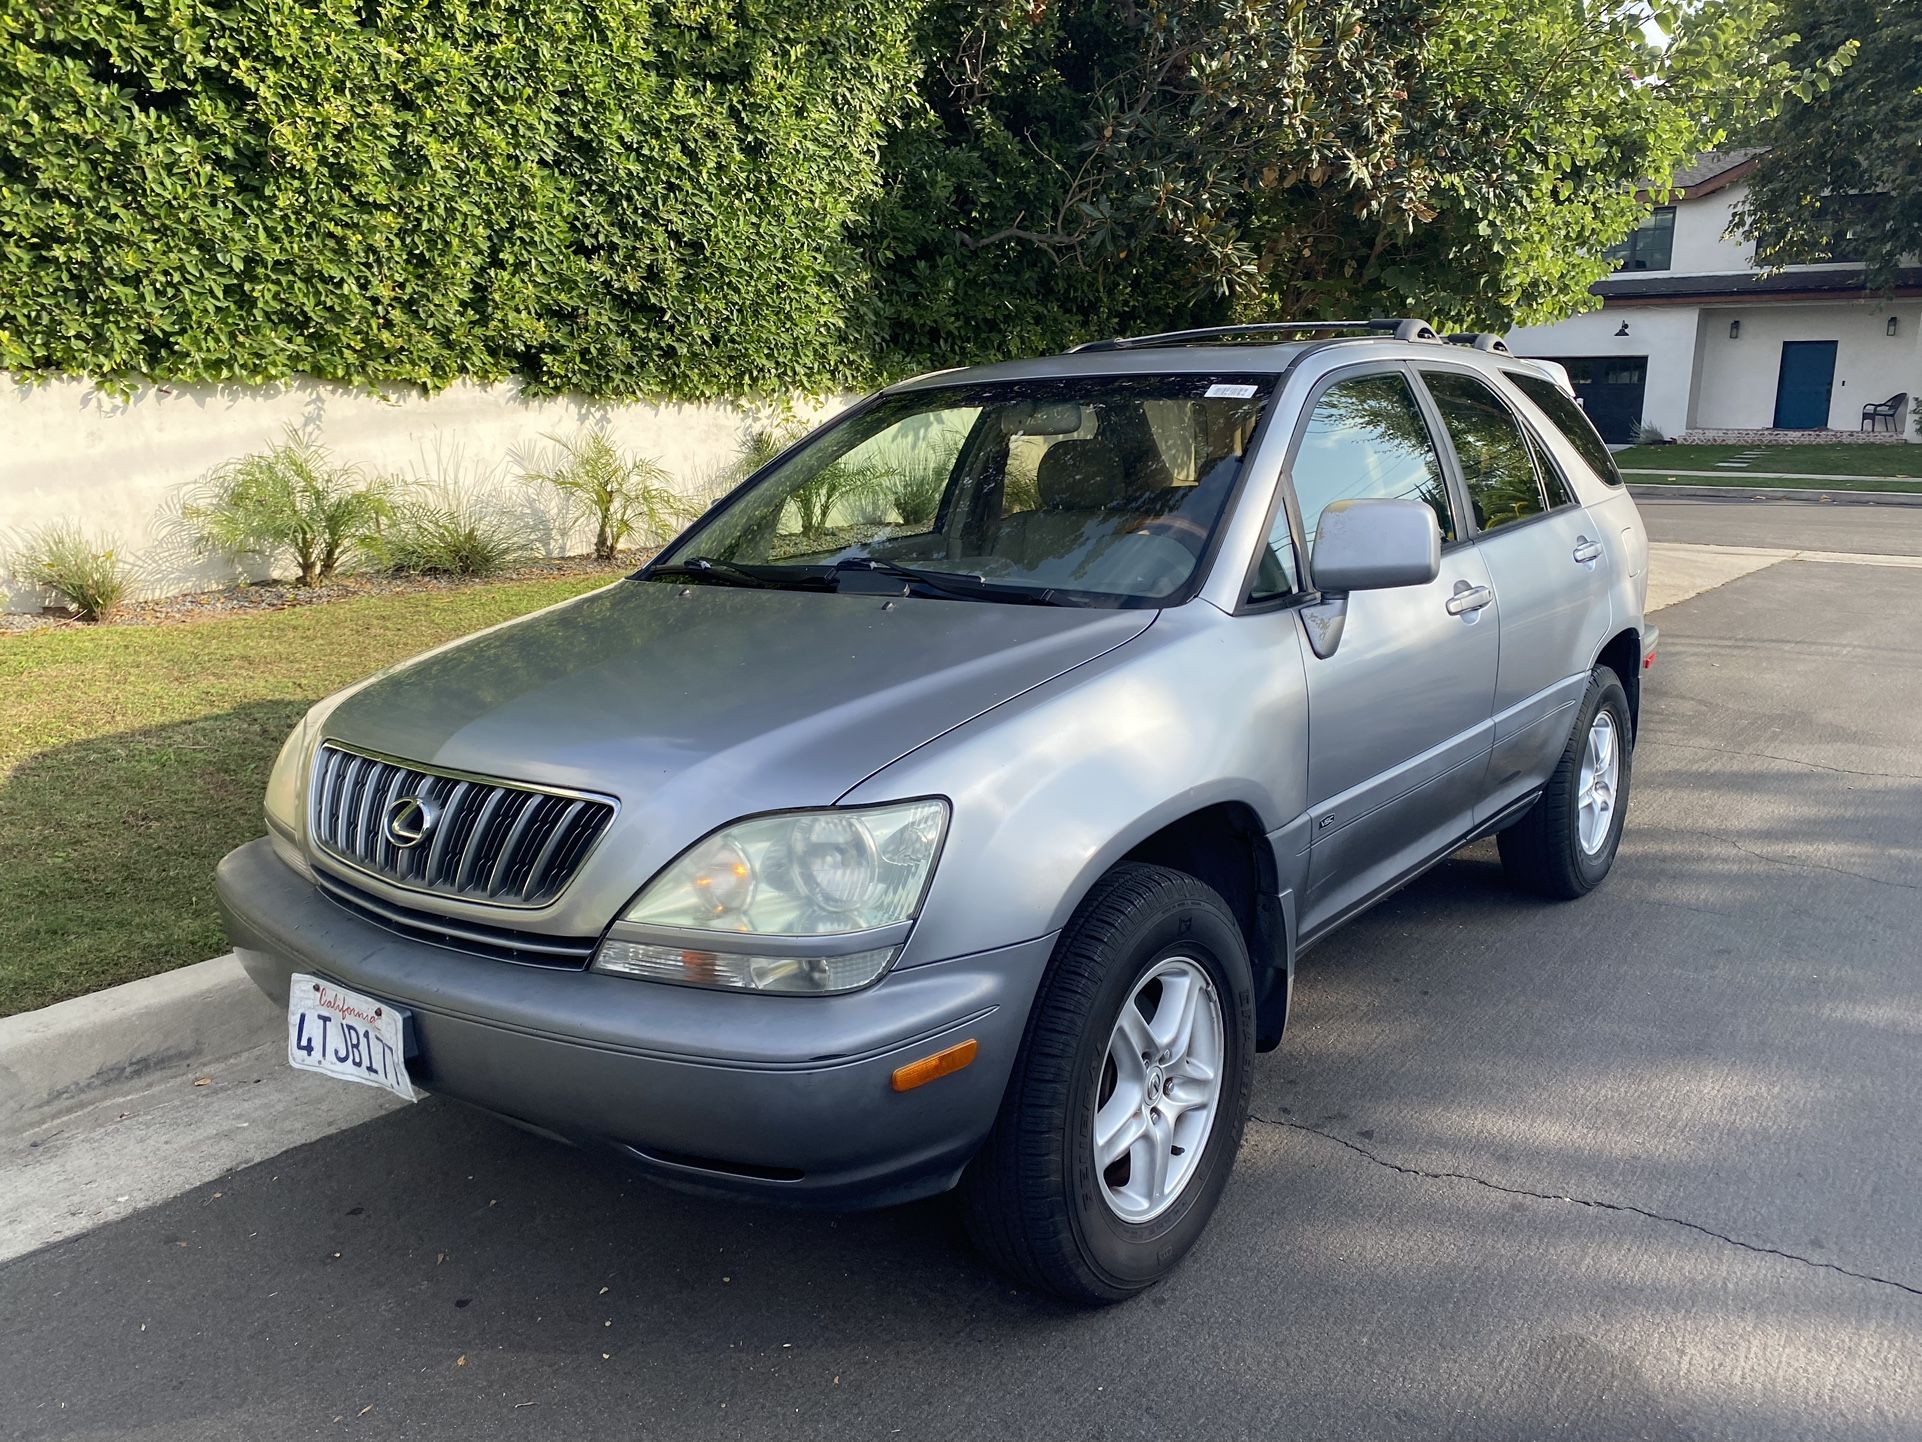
(726, 573)
(957, 585)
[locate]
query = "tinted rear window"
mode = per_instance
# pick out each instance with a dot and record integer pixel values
(1571, 420)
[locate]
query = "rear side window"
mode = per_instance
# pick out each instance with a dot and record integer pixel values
(1553, 481)
(1572, 421)
(1496, 465)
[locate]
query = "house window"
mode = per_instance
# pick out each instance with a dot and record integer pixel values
(1650, 245)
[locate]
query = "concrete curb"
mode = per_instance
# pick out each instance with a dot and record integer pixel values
(1646, 490)
(64, 1057)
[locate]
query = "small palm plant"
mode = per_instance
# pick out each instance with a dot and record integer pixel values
(448, 529)
(628, 496)
(916, 496)
(291, 500)
(87, 574)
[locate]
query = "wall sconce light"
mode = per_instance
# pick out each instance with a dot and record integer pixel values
(1623, 329)
(1891, 327)
(1735, 330)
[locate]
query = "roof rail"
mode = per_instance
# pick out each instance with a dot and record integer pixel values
(1404, 329)
(1481, 340)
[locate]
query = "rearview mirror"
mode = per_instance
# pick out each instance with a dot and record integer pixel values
(1373, 545)
(1042, 418)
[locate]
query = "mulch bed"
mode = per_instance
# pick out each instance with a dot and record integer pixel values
(249, 598)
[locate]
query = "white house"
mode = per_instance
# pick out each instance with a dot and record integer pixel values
(1691, 340)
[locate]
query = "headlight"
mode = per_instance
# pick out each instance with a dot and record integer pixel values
(283, 784)
(812, 902)
(283, 800)
(286, 783)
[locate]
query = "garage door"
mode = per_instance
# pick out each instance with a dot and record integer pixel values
(1611, 390)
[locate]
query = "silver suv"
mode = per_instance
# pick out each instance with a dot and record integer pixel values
(949, 804)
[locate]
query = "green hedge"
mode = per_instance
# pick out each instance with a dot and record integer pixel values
(618, 197)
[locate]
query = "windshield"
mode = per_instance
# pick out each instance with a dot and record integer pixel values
(1095, 490)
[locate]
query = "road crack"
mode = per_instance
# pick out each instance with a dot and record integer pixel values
(1793, 862)
(1662, 741)
(1624, 1208)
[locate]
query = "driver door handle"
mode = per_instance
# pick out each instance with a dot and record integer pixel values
(1468, 599)
(1587, 550)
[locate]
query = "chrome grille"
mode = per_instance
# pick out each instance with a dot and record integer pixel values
(491, 841)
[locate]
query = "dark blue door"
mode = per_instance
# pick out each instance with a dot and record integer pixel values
(1802, 389)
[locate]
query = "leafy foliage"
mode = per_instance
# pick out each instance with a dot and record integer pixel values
(710, 197)
(89, 575)
(1843, 175)
(626, 495)
(605, 196)
(1123, 165)
(292, 500)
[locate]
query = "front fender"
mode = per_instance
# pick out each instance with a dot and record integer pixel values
(1056, 786)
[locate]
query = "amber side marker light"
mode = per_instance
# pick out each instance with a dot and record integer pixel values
(945, 1062)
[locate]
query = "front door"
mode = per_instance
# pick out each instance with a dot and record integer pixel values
(1803, 387)
(1398, 716)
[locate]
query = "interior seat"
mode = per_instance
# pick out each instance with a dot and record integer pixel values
(1081, 485)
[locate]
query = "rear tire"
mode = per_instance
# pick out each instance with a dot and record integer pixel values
(1566, 842)
(1166, 947)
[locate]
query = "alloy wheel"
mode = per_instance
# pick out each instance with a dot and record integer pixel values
(1159, 1090)
(1600, 778)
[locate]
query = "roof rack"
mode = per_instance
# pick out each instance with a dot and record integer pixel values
(1404, 329)
(1481, 340)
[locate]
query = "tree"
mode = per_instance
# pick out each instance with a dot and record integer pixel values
(1136, 163)
(1843, 171)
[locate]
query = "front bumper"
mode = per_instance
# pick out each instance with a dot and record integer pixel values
(781, 1097)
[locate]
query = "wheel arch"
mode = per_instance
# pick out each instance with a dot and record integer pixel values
(1225, 846)
(1622, 654)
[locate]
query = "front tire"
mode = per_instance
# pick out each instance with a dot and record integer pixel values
(1126, 1107)
(1566, 842)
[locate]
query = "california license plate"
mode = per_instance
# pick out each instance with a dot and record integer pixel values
(344, 1034)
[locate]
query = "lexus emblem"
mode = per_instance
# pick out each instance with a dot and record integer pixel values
(410, 821)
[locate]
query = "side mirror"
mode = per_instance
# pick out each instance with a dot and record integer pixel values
(1374, 545)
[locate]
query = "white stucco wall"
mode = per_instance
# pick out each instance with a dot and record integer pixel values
(1665, 334)
(68, 451)
(1702, 245)
(1738, 377)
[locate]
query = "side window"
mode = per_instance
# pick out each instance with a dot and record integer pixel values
(1553, 481)
(1365, 438)
(1496, 465)
(1572, 421)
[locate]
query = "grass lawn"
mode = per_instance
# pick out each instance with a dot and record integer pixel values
(1891, 468)
(132, 758)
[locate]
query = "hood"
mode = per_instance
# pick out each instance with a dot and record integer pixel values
(693, 705)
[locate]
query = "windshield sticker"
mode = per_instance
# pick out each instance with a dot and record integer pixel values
(1227, 392)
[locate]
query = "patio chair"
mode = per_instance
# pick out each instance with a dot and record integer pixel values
(1874, 415)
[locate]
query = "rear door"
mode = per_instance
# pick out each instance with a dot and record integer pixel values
(1398, 716)
(1547, 563)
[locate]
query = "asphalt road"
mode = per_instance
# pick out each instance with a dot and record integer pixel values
(1882, 530)
(1643, 1166)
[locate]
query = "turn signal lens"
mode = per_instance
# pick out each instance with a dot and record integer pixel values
(744, 971)
(945, 1062)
